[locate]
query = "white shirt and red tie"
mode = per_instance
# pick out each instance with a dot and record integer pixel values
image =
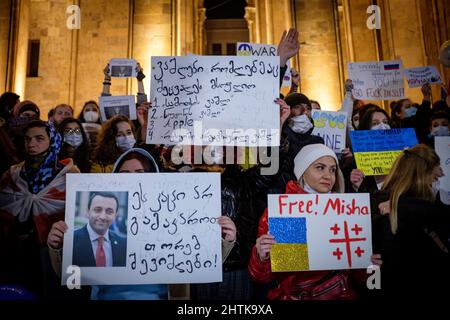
(101, 247)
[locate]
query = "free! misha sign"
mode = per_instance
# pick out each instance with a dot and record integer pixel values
(320, 231)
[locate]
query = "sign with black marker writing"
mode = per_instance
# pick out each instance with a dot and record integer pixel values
(378, 80)
(219, 100)
(143, 228)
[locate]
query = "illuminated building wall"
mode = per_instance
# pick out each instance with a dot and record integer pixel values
(332, 33)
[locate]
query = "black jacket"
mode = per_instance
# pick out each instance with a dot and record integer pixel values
(413, 262)
(244, 198)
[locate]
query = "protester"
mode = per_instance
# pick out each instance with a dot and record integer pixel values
(413, 225)
(90, 120)
(76, 144)
(317, 171)
(61, 112)
(116, 137)
(32, 195)
(135, 160)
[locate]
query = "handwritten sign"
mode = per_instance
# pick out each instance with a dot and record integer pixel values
(376, 150)
(211, 100)
(171, 229)
(417, 77)
(377, 80)
(256, 49)
(442, 147)
(331, 126)
(320, 231)
(111, 106)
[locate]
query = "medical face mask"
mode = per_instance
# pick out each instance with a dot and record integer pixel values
(440, 131)
(125, 142)
(381, 126)
(90, 116)
(74, 140)
(301, 124)
(410, 112)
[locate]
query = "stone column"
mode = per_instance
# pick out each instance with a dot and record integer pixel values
(5, 23)
(18, 48)
(319, 68)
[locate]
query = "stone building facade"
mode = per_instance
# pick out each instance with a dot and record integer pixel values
(332, 33)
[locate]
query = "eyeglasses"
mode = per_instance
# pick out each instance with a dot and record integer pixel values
(69, 131)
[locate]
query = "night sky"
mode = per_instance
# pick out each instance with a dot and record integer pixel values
(231, 9)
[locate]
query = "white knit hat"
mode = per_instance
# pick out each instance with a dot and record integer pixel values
(310, 153)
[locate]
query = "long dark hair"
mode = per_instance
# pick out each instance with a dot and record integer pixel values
(81, 156)
(81, 116)
(365, 123)
(107, 152)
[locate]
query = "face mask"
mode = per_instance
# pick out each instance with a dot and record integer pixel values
(381, 126)
(125, 143)
(410, 112)
(435, 186)
(301, 124)
(440, 131)
(356, 124)
(90, 116)
(74, 140)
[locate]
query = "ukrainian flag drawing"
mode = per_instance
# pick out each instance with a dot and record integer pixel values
(290, 253)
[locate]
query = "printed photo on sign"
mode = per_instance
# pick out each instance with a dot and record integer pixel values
(377, 80)
(111, 106)
(320, 231)
(417, 77)
(100, 236)
(143, 228)
(122, 68)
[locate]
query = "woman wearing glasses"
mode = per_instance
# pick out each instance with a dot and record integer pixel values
(76, 144)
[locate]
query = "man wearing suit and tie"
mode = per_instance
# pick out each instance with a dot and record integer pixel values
(94, 244)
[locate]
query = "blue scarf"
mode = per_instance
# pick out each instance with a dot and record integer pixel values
(42, 169)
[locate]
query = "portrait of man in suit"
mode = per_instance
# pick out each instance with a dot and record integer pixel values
(95, 244)
(121, 71)
(115, 110)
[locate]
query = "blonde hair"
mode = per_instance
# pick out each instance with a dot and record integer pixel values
(410, 174)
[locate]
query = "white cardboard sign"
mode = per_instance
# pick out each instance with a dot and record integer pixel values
(214, 100)
(258, 49)
(320, 231)
(442, 147)
(165, 231)
(332, 127)
(417, 77)
(114, 105)
(377, 80)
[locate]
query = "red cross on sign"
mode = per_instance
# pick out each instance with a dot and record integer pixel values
(347, 240)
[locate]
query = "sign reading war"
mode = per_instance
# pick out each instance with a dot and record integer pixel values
(214, 100)
(143, 228)
(320, 231)
(376, 150)
(377, 80)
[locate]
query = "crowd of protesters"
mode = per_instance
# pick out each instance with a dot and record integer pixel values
(410, 225)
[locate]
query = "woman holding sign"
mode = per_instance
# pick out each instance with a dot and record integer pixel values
(317, 171)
